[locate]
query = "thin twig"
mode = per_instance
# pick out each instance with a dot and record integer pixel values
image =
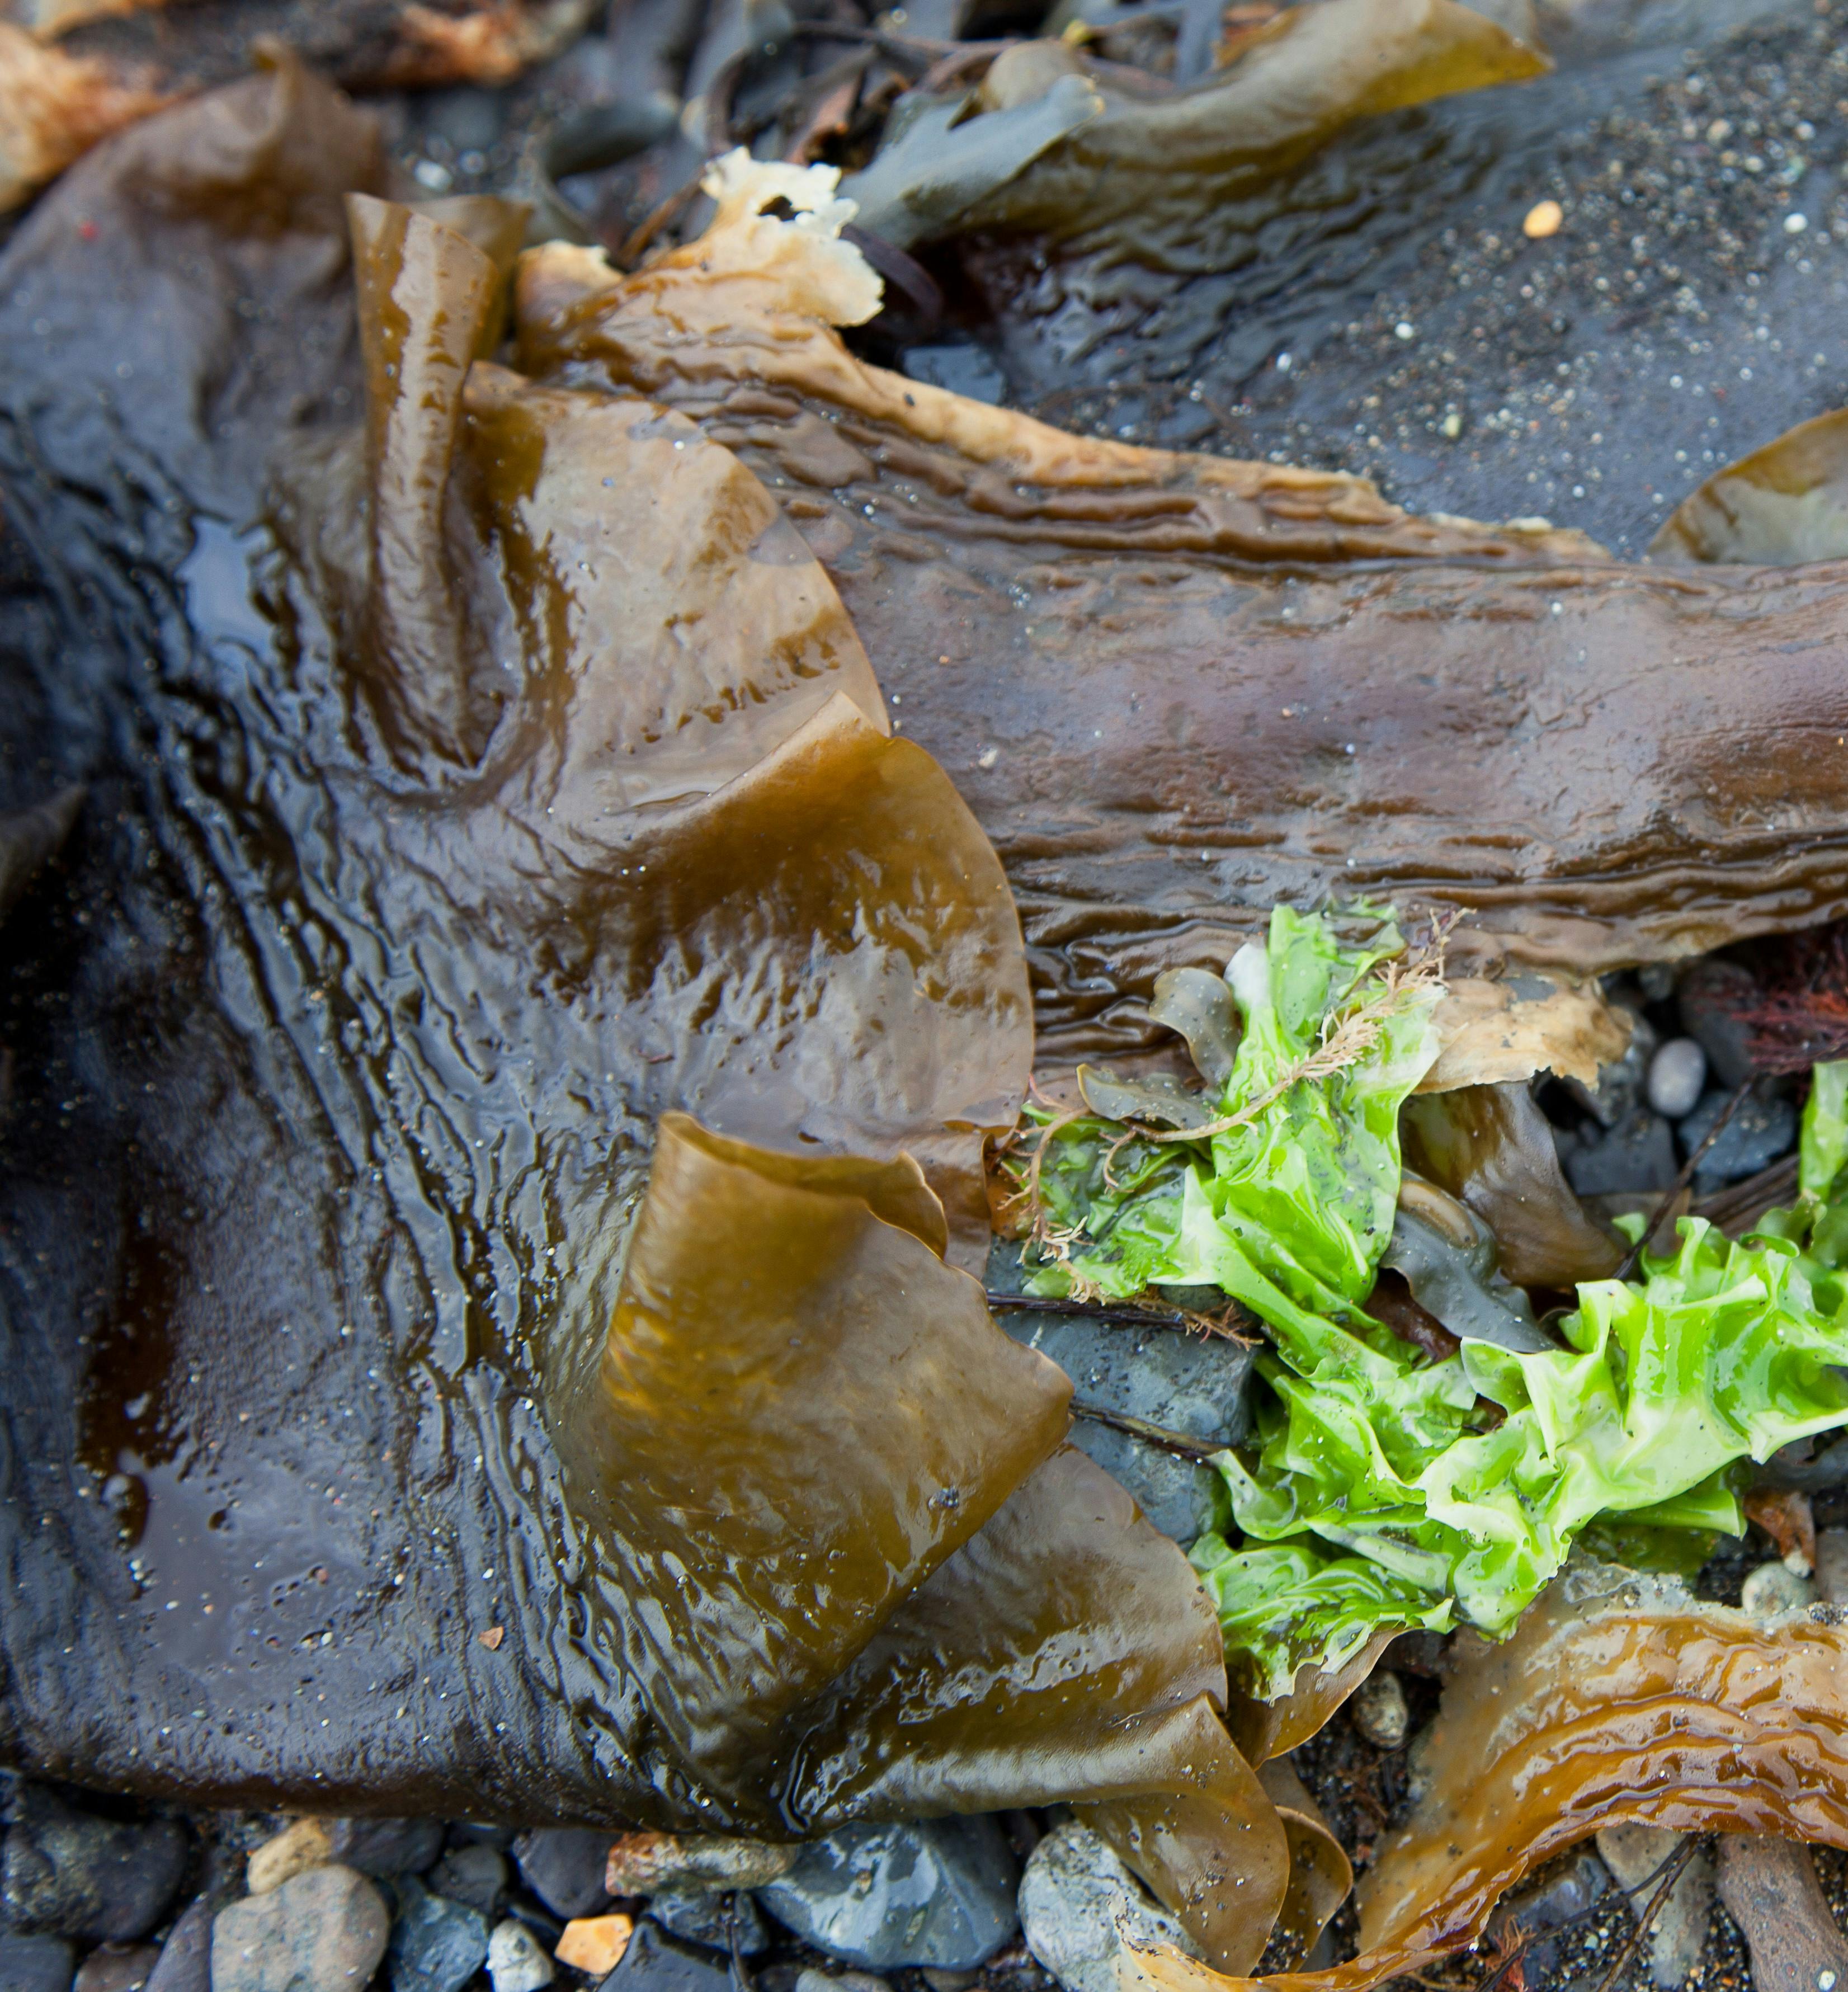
(1633, 1258)
(1125, 1317)
(1149, 1434)
(1677, 1862)
(740, 1973)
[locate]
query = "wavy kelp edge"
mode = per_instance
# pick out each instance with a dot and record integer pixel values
(1615, 1702)
(666, 1446)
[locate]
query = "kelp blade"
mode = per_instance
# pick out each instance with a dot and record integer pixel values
(1619, 1699)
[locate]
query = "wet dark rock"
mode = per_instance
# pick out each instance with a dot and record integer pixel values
(1081, 1910)
(1560, 1893)
(319, 1932)
(1192, 1384)
(1636, 1154)
(186, 1958)
(517, 1961)
(655, 1962)
(476, 1875)
(437, 1944)
(385, 1846)
(1759, 1132)
(703, 1916)
(563, 1865)
(940, 1891)
(972, 370)
(36, 1964)
(1677, 1076)
(65, 1872)
(1814, 1465)
(1711, 994)
(117, 1967)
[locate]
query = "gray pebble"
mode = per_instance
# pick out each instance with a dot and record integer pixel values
(563, 1865)
(1773, 1588)
(476, 1875)
(1759, 1132)
(36, 1963)
(385, 1846)
(1379, 1710)
(938, 1891)
(517, 1962)
(1561, 1891)
(1636, 1154)
(702, 1916)
(1081, 1910)
(319, 1932)
(65, 1872)
(1187, 1383)
(186, 1958)
(1636, 1855)
(437, 1946)
(655, 1962)
(117, 1967)
(1677, 1073)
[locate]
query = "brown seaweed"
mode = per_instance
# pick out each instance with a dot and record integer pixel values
(1618, 1699)
(546, 1162)
(1781, 506)
(1228, 685)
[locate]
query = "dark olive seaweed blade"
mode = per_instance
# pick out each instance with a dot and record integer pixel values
(338, 1056)
(1177, 691)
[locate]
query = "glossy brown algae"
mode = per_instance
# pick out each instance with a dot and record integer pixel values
(370, 1284)
(1177, 690)
(1619, 1699)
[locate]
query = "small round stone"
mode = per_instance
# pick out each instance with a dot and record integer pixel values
(1543, 219)
(1773, 1588)
(1677, 1073)
(517, 1962)
(1379, 1710)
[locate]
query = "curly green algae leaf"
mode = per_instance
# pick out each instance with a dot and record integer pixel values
(1291, 1211)
(1724, 1351)
(1824, 1147)
(1385, 1492)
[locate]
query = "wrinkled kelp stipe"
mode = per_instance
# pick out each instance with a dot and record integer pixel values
(1174, 701)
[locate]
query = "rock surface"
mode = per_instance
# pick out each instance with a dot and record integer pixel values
(563, 1865)
(1677, 1077)
(655, 1962)
(1773, 1588)
(385, 1846)
(1564, 1889)
(1081, 1908)
(475, 1875)
(303, 1844)
(1636, 1154)
(1379, 1712)
(1634, 1854)
(517, 1961)
(594, 1945)
(1759, 1132)
(65, 1872)
(640, 1863)
(320, 1931)
(703, 1916)
(186, 1958)
(1188, 1383)
(1771, 1891)
(437, 1946)
(940, 1891)
(35, 1964)
(117, 1967)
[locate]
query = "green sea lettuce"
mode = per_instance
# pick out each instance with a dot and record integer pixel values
(1384, 1489)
